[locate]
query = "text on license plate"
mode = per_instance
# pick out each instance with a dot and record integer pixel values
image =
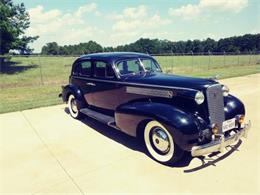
(229, 124)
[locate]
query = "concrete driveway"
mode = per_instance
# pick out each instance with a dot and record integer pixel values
(45, 151)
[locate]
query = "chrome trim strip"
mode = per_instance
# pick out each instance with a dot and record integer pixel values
(149, 92)
(134, 84)
(219, 145)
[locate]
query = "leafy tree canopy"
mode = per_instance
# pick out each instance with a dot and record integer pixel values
(54, 49)
(245, 43)
(14, 20)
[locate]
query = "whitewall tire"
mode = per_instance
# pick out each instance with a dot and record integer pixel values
(73, 106)
(160, 143)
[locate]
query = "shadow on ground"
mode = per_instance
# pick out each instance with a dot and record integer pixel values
(137, 145)
(10, 67)
(212, 159)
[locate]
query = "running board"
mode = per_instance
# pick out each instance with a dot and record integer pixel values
(103, 118)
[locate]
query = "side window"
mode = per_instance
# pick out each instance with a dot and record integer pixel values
(149, 64)
(85, 68)
(103, 70)
(110, 72)
(75, 69)
(129, 66)
(100, 69)
(133, 66)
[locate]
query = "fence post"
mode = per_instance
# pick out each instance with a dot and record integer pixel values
(1, 61)
(172, 62)
(250, 53)
(238, 57)
(224, 53)
(192, 62)
(256, 56)
(40, 64)
(209, 59)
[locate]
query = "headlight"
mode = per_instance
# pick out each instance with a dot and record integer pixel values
(199, 97)
(225, 90)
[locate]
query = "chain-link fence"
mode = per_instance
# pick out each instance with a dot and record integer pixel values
(193, 62)
(33, 81)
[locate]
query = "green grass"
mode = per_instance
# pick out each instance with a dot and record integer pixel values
(21, 98)
(208, 66)
(27, 71)
(30, 82)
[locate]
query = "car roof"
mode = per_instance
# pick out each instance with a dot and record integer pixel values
(113, 56)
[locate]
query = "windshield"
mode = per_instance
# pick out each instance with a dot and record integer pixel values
(137, 65)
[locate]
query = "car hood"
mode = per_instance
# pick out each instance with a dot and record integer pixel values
(170, 80)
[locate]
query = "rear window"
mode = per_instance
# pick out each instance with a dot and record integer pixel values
(103, 70)
(85, 68)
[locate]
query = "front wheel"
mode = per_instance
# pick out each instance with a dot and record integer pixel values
(160, 143)
(74, 107)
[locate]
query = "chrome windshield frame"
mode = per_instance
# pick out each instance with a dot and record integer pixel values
(119, 75)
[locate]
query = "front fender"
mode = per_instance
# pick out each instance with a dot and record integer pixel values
(233, 107)
(184, 126)
(167, 114)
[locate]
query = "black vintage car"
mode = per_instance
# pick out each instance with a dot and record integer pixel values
(170, 113)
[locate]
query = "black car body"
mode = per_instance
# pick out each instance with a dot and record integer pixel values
(171, 113)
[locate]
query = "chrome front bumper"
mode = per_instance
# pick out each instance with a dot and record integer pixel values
(221, 143)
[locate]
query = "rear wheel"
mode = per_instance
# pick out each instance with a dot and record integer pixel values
(160, 143)
(74, 107)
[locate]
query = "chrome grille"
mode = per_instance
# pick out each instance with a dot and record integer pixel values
(216, 105)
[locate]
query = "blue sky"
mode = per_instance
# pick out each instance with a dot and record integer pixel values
(114, 22)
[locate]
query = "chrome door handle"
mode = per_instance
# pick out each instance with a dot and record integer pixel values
(91, 84)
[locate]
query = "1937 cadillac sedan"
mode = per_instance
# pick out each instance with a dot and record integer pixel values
(170, 113)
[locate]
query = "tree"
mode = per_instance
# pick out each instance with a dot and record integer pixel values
(14, 20)
(209, 45)
(108, 49)
(51, 49)
(245, 43)
(197, 47)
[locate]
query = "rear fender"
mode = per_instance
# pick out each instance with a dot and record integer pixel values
(72, 89)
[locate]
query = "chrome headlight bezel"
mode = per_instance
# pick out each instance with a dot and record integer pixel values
(199, 97)
(225, 90)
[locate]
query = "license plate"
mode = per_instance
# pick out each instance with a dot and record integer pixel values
(229, 124)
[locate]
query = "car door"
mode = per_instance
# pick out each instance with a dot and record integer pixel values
(106, 89)
(83, 79)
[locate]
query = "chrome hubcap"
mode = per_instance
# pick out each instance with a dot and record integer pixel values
(160, 140)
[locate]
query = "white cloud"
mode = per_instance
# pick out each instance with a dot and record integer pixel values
(224, 5)
(37, 14)
(135, 12)
(125, 26)
(73, 27)
(190, 11)
(63, 28)
(187, 11)
(134, 22)
(86, 9)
